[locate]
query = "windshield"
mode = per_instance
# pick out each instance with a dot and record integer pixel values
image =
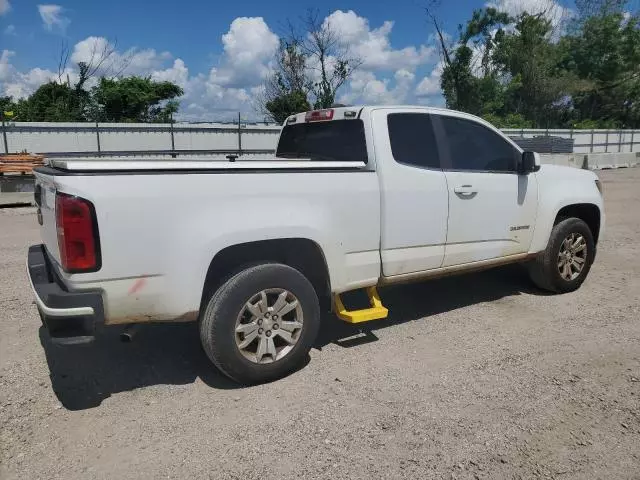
(338, 140)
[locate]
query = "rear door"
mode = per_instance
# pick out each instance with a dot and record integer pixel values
(413, 192)
(492, 209)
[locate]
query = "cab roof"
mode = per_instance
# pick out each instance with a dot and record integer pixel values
(356, 111)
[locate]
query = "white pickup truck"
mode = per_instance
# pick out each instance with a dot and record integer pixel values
(353, 199)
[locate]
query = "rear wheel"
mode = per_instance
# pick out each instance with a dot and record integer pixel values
(565, 263)
(261, 323)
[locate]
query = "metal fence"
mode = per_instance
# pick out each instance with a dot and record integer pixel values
(550, 144)
(217, 139)
(588, 141)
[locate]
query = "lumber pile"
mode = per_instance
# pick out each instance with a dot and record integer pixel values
(23, 163)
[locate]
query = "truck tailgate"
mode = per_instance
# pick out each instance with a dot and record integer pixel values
(45, 196)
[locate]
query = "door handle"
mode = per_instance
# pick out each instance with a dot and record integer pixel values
(465, 190)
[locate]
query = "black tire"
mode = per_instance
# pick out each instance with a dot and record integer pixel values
(544, 270)
(218, 322)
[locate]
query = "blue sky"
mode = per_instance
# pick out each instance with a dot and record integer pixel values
(220, 51)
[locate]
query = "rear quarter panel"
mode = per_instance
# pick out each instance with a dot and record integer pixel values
(159, 232)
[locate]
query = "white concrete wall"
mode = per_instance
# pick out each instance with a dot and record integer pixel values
(82, 137)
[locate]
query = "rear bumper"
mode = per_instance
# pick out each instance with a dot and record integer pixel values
(70, 317)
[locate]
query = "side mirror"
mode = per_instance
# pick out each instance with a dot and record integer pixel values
(529, 162)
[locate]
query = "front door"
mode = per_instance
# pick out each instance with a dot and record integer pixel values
(492, 209)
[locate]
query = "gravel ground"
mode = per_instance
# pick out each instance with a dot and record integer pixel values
(479, 376)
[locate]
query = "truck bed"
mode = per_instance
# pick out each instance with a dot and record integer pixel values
(106, 164)
(160, 223)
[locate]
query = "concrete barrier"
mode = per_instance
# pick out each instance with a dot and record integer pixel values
(592, 161)
(563, 159)
(16, 199)
(613, 160)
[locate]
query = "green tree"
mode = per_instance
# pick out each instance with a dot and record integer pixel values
(135, 99)
(483, 29)
(287, 104)
(57, 100)
(537, 89)
(7, 105)
(466, 86)
(519, 71)
(587, 9)
(311, 66)
(114, 99)
(604, 54)
(510, 120)
(330, 61)
(286, 91)
(130, 99)
(54, 102)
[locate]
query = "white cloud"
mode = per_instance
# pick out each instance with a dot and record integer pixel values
(25, 84)
(99, 52)
(5, 6)
(367, 88)
(404, 76)
(374, 46)
(10, 30)
(178, 73)
(404, 82)
(87, 49)
(19, 85)
(429, 86)
(374, 90)
(6, 69)
(207, 101)
(248, 47)
(387, 75)
(225, 89)
(551, 9)
(234, 83)
(53, 18)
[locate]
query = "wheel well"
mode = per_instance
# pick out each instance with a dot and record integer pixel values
(587, 212)
(300, 253)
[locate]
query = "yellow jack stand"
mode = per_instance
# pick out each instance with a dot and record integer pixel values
(375, 312)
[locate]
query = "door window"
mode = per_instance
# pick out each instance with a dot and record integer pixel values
(474, 147)
(412, 140)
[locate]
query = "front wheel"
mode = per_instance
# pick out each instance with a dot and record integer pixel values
(565, 263)
(261, 323)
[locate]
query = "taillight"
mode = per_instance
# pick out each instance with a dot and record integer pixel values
(319, 115)
(77, 234)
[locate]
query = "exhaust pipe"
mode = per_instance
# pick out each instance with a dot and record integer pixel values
(129, 332)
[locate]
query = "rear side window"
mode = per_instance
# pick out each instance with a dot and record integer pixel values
(474, 147)
(338, 140)
(412, 140)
